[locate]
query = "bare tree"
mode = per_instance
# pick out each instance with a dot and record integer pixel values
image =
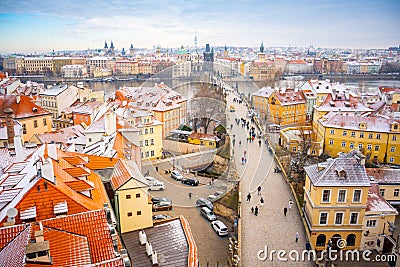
(299, 160)
(206, 106)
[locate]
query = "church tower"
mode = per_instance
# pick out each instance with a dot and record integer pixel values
(225, 52)
(261, 54)
(131, 50)
(105, 49)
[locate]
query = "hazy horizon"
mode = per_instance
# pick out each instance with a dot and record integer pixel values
(41, 26)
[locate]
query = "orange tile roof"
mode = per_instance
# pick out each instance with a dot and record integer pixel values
(80, 185)
(93, 225)
(98, 162)
(24, 109)
(76, 172)
(75, 160)
(44, 195)
(119, 145)
(73, 250)
(120, 175)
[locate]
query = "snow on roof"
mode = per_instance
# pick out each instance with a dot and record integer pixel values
(55, 90)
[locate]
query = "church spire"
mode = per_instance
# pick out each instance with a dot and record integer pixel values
(262, 47)
(105, 45)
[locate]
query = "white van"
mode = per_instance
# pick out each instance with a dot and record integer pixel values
(155, 185)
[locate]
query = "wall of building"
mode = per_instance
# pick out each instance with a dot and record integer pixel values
(135, 209)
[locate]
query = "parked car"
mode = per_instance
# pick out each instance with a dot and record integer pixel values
(162, 206)
(190, 181)
(156, 200)
(158, 217)
(220, 228)
(202, 202)
(155, 185)
(176, 175)
(214, 196)
(208, 214)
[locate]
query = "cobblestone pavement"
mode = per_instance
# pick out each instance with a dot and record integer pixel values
(270, 229)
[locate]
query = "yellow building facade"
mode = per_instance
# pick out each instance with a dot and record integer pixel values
(377, 138)
(335, 197)
(150, 137)
(287, 107)
(133, 207)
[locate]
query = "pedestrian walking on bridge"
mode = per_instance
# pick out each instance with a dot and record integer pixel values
(248, 196)
(256, 211)
(284, 210)
(259, 190)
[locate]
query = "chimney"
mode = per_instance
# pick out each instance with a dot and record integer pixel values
(18, 149)
(18, 98)
(110, 123)
(10, 125)
(52, 150)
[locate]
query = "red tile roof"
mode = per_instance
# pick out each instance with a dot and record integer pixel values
(12, 253)
(9, 233)
(24, 109)
(93, 225)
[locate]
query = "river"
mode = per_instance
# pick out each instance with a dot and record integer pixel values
(187, 88)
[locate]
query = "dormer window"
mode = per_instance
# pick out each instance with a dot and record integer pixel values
(340, 172)
(362, 125)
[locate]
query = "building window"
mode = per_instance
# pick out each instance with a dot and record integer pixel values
(343, 143)
(370, 136)
(361, 135)
(139, 212)
(138, 195)
(351, 240)
(332, 131)
(331, 142)
(323, 218)
(369, 146)
(396, 192)
(353, 134)
(321, 240)
(391, 159)
(147, 154)
(35, 123)
(151, 141)
(371, 223)
(146, 131)
(353, 217)
(152, 153)
(360, 146)
(140, 143)
(378, 136)
(151, 130)
(129, 214)
(394, 137)
(24, 128)
(344, 133)
(141, 154)
(352, 145)
(341, 196)
(357, 195)
(382, 192)
(339, 218)
(392, 149)
(146, 142)
(45, 122)
(294, 149)
(128, 196)
(326, 193)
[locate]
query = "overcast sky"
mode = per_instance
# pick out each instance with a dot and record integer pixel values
(37, 26)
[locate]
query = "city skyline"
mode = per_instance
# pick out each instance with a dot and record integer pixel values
(41, 26)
